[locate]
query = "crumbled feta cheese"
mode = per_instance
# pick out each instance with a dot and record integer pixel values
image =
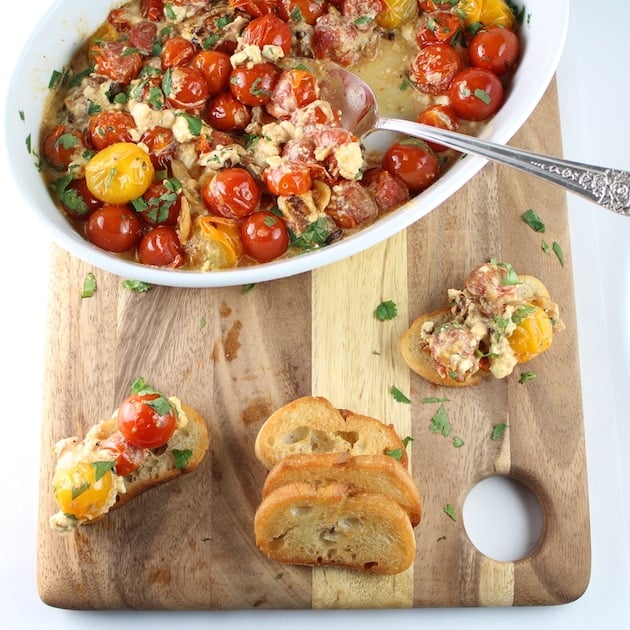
(349, 160)
(146, 118)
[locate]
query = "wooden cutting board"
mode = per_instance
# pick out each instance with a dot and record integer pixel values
(237, 356)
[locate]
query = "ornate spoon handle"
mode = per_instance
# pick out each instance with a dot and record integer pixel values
(606, 187)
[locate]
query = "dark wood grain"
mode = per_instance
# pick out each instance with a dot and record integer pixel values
(236, 356)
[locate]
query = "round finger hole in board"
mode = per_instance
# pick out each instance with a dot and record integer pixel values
(503, 518)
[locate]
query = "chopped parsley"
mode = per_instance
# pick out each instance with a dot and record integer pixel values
(557, 250)
(440, 423)
(526, 376)
(181, 457)
(497, 431)
(483, 96)
(533, 220)
(136, 285)
(89, 286)
(399, 396)
(102, 468)
(458, 442)
(449, 510)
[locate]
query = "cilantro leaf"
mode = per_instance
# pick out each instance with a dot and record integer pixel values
(526, 376)
(533, 220)
(440, 423)
(102, 468)
(399, 396)
(136, 285)
(386, 310)
(557, 250)
(449, 510)
(497, 431)
(89, 286)
(181, 457)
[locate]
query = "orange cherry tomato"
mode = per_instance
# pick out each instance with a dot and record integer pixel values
(232, 193)
(268, 30)
(440, 116)
(433, 69)
(413, 162)
(254, 85)
(185, 88)
(288, 179)
(215, 67)
(176, 51)
(226, 113)
(108, 127)
(476, 94)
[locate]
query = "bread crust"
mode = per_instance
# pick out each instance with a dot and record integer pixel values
(312, 425)
(333, 525)
(375, 474)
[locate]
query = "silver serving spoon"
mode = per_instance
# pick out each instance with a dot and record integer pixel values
(357, 102)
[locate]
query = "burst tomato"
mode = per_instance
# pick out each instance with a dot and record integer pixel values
(264, 235)
(413, 162)
(161, 247)
(109, 127)
(232, 193)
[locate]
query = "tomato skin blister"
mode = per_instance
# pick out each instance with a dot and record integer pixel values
(210, 98)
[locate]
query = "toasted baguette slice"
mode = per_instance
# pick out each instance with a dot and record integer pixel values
(376, 474)
(159, 469)
(530, 290)
(332, 525)
(160, 466)
(312, 425)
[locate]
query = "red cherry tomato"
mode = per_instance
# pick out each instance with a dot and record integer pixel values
(185, 88)
(294, 89)
(255, 8)
(494, 48)
(264, 235)
(161, 203)
(268, 30)
(152, 9)
(232, 193)
(434, 68)
(147, 420)
(413, 162)
(128, 457)
(114, 228)
(117, 61)
(142, 36)
(161, 144)
(440, 27)
(476, 94)
(441, 116)
(161, 247)
(61, 146)
(78, 201)
(288, 179)
(109, 127)
(226, 113)
(254, 85)
(306, 10)
(176, 51)
(388, 190)
(215, 67)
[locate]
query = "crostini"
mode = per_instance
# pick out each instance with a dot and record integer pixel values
(498, 320)
(149, 440)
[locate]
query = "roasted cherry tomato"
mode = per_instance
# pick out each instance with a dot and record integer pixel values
(147, 420)
(287, 179)
(119, 173)
(215, 67)
(161, 247)
(397, 13)
(142, 36)
(532, 335)
(219, 244)
(476, 94)
(494, 48)
(433, 69)
(440, 27)
(114, 228)
(440, 116)
(128, 457)
(430, 5)
(84, 490)
(161, 144)
(226, 113)
(268, 30)
(232, 193)
(152, 9)
(487, 12)
(264, 235)
(176, 51)
(117, 61)
(62, 146)
(413, 162)
(185, 88)
(161, 203)
(254, 85)
(109, 127)
(294, 89)
(77, 200)
(255, 8)
(306, 10)
(388, 190)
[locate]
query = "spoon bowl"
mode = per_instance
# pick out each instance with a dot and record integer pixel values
(353, 97)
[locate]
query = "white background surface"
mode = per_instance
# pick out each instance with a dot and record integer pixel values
(594, 96)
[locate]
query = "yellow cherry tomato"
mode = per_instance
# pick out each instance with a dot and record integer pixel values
(119, 173)
(532, 335)
(397, 13)
(219, 244)
(80, 493)
(487, 12)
